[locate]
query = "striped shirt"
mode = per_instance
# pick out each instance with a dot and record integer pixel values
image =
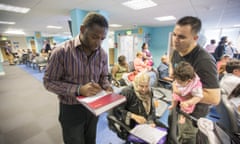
(69, 67)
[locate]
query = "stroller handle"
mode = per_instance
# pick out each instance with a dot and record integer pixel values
(163, 98)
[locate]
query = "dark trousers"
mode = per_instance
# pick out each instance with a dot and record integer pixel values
(78, 124)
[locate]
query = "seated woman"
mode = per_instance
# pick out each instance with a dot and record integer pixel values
(119, 69)
(140, 66)
(139, 107)
(147, 54)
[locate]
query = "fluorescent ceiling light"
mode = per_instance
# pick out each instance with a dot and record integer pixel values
(165, 18)
(14, 8)
(115, 25)
(66, 32)
(54, 27)
(139, 4)
(7, 22)
(15, 31)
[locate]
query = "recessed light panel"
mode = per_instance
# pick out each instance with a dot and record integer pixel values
(139, 4)
(165, 18)
(14, 8)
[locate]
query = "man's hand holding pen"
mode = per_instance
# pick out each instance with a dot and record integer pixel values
(90, 89)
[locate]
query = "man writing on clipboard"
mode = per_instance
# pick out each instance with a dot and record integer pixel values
(79, 67)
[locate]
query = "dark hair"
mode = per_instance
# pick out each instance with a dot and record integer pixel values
(195, 23)
(143, 45)
(184, 71)
(93, 18)
(224, 38)
(232, 65)
(121, 59)
(235, 92)
(213, 41)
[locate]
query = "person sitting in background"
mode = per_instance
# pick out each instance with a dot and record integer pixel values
(230, 50)
(140, 66)
(210, 48)
(232, 78)
(223, 61)
(119, 69)
(234, 99)
(163, 71)
(187, 89)
(139, 107)
(221, 71)
(147, 54)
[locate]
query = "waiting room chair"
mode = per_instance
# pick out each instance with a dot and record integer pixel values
(227, 114)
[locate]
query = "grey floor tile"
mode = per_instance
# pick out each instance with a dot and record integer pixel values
(21, 134)
(41, 138)
(17, 121)
(55, 134)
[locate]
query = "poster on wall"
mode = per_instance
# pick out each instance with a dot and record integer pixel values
(126, 47)
(129, 45)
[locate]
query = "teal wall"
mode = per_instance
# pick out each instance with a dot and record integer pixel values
(159, 42)
(77, 16)
(59, 39)
(157, 38)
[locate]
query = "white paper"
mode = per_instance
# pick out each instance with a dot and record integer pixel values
(148, 133)
(95, 97)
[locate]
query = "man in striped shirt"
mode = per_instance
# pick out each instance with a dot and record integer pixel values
(72, 68)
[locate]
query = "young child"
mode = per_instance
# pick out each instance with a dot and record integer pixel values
(187, 89)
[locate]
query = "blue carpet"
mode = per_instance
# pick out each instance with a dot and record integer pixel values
(34, 72)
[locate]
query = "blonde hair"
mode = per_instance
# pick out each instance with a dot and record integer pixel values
(141, 77)
(139, 53)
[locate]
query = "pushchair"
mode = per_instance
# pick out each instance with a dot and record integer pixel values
(124, 132)
(215, 132)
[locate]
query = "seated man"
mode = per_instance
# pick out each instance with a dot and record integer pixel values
(140, 66)
(232, 78)
(163, 72)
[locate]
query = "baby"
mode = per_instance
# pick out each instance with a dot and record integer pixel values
(187, 88)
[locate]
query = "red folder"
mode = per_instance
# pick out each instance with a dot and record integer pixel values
(101, 103)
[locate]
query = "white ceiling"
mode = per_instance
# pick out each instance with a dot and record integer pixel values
(213, 13)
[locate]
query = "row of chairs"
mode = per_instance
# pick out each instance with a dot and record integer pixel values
(36, 62)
